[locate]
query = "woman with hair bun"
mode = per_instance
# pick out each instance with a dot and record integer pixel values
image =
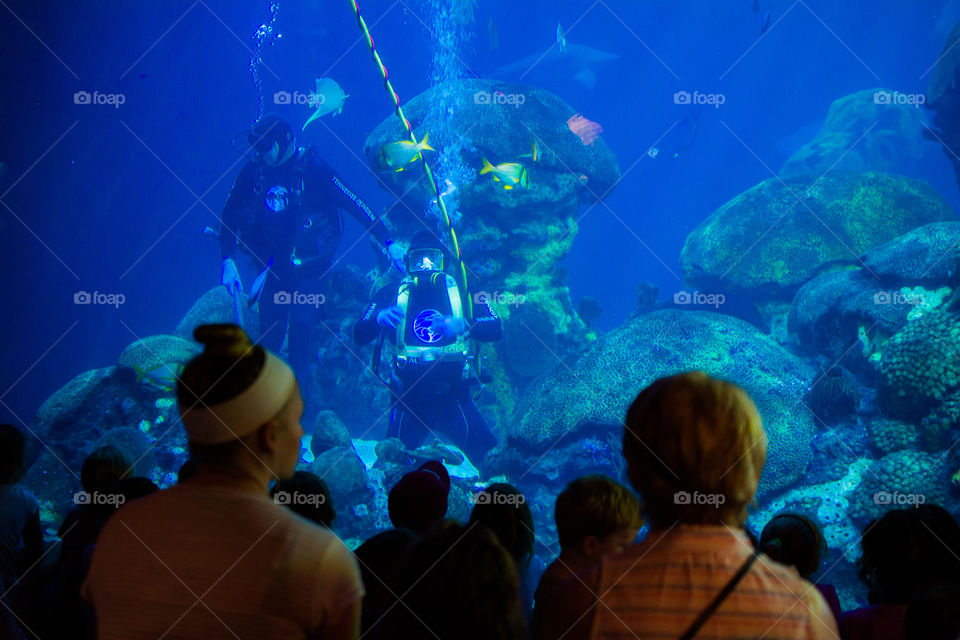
(214, 556)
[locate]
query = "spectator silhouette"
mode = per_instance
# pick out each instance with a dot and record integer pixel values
(100, 476)
(934, 614)
(380, 559)
(595, 516)
(797, 541)
(21, 536)
(694, 448)
(307, 495)
(904, 553)
(215, 557)
(419, 499)
(458, 583)
(503, 509)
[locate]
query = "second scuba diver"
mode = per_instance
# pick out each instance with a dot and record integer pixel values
(284, 210)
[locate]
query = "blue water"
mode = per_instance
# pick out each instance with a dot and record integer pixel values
(109, 199)
(112, 200)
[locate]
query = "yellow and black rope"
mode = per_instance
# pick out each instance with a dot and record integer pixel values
(464, 292)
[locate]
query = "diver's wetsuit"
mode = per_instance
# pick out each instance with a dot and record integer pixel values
(432, 396)
(291, 212)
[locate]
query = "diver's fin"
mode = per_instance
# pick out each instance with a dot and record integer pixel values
(257, 287)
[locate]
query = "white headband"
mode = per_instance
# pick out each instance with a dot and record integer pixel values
(245, 413)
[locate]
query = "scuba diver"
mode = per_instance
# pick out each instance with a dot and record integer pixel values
(424, 319)
(284, 210)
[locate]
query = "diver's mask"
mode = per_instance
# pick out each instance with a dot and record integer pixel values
(261, 149)
(267, 141)
(425, 260)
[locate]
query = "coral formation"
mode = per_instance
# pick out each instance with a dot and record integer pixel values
(774, 237)
(834, 395)
(899, 480)
(921, 361)
(153, 351)
(927, 255)
(216, 307)
(328, 432)
(587, 399)
(864, 131)
(529, 344)
(888, 435)
(943, 97)
(834, 311)
(833, 499)
(511, 239)
(938, 429)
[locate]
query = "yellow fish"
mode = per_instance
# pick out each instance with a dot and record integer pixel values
(509, 173)
(397, 155)
(534, 154)
(162, 377)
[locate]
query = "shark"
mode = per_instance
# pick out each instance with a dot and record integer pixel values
(575, 61)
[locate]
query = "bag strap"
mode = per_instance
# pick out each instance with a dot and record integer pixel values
(720, 597)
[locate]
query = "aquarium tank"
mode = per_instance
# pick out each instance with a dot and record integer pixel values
(474, 231)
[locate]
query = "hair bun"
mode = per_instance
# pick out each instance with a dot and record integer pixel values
(227, 340)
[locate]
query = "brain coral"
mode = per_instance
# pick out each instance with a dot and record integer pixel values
(921, 361)
(153, 351)
(592, 392)
(772, 238)
(927, 255)
(828, 312)
(888, 435)
(898, 480)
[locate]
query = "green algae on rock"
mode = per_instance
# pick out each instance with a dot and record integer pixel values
(586, 400)
(771, 239)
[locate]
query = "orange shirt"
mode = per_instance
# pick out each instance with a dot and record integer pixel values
(657, 588)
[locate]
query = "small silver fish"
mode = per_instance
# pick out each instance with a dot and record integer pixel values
(765, 22)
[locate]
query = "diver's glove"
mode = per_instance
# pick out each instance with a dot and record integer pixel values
(230, 277)
(389, 318)
(449, 326)
(396, 254)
